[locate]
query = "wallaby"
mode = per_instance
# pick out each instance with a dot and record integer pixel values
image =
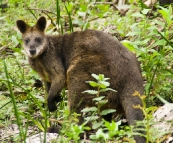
(69, 60)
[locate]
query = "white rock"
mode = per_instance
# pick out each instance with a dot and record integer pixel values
(39, 138)
(163, 121)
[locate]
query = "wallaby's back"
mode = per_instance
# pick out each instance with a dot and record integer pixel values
(90, 52)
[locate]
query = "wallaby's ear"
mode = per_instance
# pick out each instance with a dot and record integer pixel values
(22, 26)
(41, 24)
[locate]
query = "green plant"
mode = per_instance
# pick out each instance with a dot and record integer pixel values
(23, 112)
(105, 131)
(22, 134)
(101, 85)
(146, 126)
(70, 130)
(153, 51)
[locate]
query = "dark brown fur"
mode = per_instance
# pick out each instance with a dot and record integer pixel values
(70, 59)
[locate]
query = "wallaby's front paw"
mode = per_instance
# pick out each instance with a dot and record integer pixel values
(54, 129)
(51, 105)
(58, 98)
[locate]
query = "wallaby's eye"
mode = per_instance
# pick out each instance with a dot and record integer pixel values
(26, 41)
(38, 40)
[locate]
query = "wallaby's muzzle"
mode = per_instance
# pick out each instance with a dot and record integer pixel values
(32, 50)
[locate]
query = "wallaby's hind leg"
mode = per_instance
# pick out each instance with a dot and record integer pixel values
(76, 99)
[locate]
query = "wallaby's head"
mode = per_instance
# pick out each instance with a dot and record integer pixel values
(34, 38)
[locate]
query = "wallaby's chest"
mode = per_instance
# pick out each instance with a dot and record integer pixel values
(40, 67)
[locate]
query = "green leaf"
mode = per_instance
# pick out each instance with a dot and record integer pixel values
(151, 109)
(78, 22)
(97, 124)
(102, 102)
(107, 89)
(69, 6)
(98, 98)
(166, 13)
(15, 41)
(108, 111)
(93, 118)
(90, 91)
(137, 14)
(128, 45)
(81, 13)
(101, 134)
(89, 109)
(83, 7)
(164, 101)
(93, 84)
(159, 42)
(93, 137)
(87, 128)
(106, 78)
(113, 126)
(101, 77)
(145, 11)
(17, 50)
(104, 84)
(95, 76)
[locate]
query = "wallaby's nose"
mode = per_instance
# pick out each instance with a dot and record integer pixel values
(32, 50)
